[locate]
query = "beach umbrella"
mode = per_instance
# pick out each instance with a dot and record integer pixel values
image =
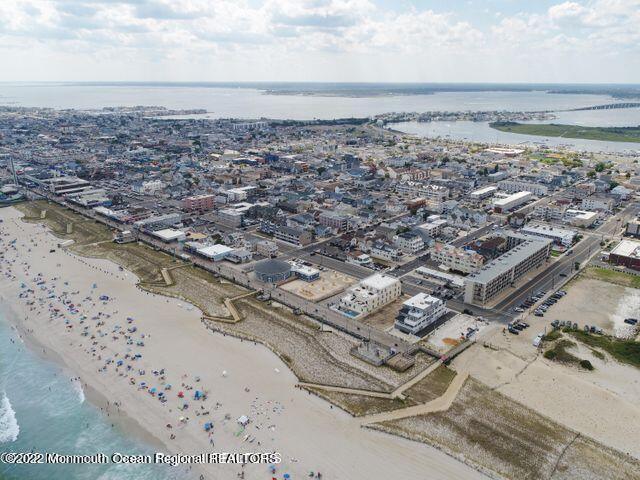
(180, 394)
(286, 475)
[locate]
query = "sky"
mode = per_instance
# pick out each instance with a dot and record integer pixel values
(590, 41)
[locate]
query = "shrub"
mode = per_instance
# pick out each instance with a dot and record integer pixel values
(586, 364)
(550, 354)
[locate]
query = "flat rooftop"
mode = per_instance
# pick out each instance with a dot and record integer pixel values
(379, 281)
(627, 248)
(511, 198)
(510, 259)
(214, 250)
(482, 191)
(422, 301)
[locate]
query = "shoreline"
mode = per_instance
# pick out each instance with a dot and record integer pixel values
(312, 417)
(125, 423)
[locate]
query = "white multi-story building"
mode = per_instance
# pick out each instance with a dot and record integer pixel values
(580, 218)
(561, 236)
(419, 312)
(239, 194)
(434, 227)
(409, 243)
(597, 203)
(458, 259)
(66, 185)
(550, 211)
(370, 294)
(482, 193)
(384, 251)
(267, 248)
(505, 204)
(514, 186)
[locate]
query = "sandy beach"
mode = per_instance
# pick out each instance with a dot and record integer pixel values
(127, 346)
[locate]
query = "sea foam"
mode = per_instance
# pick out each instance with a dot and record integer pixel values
(9, 428)
(77, 387)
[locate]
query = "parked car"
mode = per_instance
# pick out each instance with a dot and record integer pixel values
(538, 340)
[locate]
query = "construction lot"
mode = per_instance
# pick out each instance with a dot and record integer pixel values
(329, 284)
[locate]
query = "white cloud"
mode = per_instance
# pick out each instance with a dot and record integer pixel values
(269, 40)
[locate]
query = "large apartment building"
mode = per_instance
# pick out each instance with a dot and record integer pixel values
(528, 253)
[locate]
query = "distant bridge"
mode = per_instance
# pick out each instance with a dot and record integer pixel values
(610, 106)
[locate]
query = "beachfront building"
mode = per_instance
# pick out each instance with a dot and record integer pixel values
(239, 255)
(304, 272)
(560, 236)
(371, 294)
(487, 283)
(419, 312)
(156, 222)
(168, 235)
(503, 204)
(66, 185)
(458, 259)
(272, 270)
(214, 252)
(627, 254)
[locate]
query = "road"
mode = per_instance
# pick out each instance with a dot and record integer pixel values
(550, 278)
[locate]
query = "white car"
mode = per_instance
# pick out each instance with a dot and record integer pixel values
(538, 340)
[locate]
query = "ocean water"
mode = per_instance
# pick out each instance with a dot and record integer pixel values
(41, 410)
